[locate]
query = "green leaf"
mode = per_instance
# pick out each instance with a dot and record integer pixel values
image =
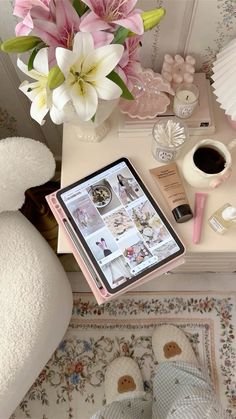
(80, 7)
(31, 59)
(120, 35)
(93, 118)
(126, 94)
(33, 55)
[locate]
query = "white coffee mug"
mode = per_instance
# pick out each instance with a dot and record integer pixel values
(201, 179)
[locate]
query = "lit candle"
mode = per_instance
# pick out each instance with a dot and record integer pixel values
(185, 100)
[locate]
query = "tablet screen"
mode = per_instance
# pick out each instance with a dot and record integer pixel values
(119, 224)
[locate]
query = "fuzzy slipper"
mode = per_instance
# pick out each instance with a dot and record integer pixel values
(169, 343)
(123, 380)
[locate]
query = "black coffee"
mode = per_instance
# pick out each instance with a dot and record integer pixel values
(209, 160)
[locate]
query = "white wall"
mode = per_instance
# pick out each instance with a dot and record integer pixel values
(198, 27)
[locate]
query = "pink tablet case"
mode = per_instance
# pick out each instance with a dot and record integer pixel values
(102, 295)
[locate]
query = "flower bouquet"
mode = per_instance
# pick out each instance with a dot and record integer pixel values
(80, 53)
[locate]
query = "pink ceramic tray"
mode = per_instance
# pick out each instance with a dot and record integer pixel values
(150, 96)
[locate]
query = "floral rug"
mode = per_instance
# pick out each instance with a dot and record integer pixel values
(71, 385)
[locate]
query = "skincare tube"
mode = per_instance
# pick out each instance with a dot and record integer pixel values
(171, 186)
(200, 202)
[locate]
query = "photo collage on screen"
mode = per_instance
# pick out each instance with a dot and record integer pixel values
(120, 226)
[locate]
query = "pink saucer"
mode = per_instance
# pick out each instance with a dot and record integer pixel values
(150, 99)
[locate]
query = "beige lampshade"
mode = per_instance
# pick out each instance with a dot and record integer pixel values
(225, 79)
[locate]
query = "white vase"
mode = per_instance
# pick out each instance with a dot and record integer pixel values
(97, 130)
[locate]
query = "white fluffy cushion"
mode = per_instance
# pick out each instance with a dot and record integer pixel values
(35, 295)
(35, 307)
(23, 163)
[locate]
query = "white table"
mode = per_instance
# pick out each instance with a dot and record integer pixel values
(214, 252)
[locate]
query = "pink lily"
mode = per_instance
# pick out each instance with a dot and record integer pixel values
(59, 26)
(22, 9)
(129, 66)
(107, 14)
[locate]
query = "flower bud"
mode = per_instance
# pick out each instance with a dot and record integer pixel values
(20, 44)
(55, 78)
(151, 18)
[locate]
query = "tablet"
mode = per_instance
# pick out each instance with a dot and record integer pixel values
(119, 225)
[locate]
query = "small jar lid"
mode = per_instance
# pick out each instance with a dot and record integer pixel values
(229, 213)
(182, 213)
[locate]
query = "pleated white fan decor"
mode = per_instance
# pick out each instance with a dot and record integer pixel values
(225, 79)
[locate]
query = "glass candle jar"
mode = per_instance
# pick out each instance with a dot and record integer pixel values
(185, 100)
(169, 135)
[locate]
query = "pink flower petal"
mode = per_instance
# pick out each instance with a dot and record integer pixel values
(22, 7)
(121, 73)
(66, 16)
(133, 22)
(130, 4)
(92, 21)
(96, 5)
(19, 9)
(47, 31)
(24, 27)
(39, 13)
(52, 56)
(21, 29)
(130, 62)
(124, 59)
(57, 25)
(101, 38)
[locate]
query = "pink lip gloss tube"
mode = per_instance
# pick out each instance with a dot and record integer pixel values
(200, 202)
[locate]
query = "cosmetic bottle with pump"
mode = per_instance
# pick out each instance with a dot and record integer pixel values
(223, 219)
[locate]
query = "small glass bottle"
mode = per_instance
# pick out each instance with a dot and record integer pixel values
(223, 219)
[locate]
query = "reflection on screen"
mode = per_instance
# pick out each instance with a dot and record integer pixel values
(121, 227)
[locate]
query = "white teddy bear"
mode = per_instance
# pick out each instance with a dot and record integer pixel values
(35, 295)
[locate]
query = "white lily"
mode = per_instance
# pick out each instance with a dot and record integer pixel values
(85, 70)
(39, 93)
